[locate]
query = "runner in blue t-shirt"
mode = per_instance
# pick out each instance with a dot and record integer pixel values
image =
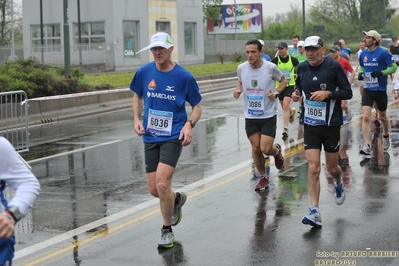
(345, 50)
(162, 88)
(264, 55)
(375, 65)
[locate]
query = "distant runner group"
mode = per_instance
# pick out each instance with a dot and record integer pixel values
(322, 85)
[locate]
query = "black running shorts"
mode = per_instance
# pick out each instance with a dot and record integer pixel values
(317, 136)
(380, 98)
(161, 152)
(286, 92)
(266, 126)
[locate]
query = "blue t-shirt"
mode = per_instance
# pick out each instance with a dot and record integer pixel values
(377, 60)
(293, 51)
(266, 57)
(346, 51)
(165, 95)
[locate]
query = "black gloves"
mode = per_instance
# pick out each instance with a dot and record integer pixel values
(376, 74)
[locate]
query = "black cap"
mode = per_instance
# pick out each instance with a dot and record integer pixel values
(335, 48)
(282, 45)
(338, 43)
(394, 39)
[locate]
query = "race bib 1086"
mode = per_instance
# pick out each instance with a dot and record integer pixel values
(256, 105)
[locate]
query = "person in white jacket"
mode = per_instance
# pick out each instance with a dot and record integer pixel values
(15, 174)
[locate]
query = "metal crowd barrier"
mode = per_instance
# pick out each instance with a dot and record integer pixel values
(14, 119)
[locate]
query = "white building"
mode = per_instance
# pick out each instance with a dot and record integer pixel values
(112, 31)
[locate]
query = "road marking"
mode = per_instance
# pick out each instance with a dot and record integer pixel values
(74, 151)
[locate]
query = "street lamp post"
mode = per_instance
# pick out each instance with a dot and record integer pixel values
(41, 31)
(12, 32)
(303, 19)
(80, 35)
(235, 22)
(67, 52)
(385, 16)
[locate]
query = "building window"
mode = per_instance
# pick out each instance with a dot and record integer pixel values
(92, 36)
(190, 38)
(130, 39)
(51, 38)
(163, 26)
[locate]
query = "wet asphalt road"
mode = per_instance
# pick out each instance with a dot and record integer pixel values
(94, 208)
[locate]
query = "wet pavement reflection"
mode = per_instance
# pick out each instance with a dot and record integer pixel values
(91, 168)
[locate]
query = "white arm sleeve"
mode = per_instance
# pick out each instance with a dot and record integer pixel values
(17, 175)
(395, 81)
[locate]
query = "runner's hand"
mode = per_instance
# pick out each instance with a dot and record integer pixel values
(138, 128)
(186, 134)
(6, 226)
(376, 74)
(237, 93)
(295, 95)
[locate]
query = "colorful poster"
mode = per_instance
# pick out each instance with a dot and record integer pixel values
(247, 19)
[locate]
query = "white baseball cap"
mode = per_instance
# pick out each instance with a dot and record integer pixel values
(262, 42)
(159, 39)
(301, 43)
(313, 41)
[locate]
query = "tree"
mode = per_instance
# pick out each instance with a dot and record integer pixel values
(6, 22)
(283, 26)
(378, 16)
(211, 9)
(348, 18)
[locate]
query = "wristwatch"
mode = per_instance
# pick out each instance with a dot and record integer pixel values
(14, 212)
(330, 95)
(192, 122)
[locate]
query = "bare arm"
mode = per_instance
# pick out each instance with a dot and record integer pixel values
(279, 89)
(352, 77)
(237, 92)
(186, 133)
(282, 85)
(137, 106)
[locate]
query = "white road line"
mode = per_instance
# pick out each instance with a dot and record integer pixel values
(74, 151)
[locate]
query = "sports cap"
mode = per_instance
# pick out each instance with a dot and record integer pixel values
(338, 43)
(300, 43)
(313, 41)
(373, 33)
(159, 39)
(262, 42)
(335, 48)
(282, 45)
